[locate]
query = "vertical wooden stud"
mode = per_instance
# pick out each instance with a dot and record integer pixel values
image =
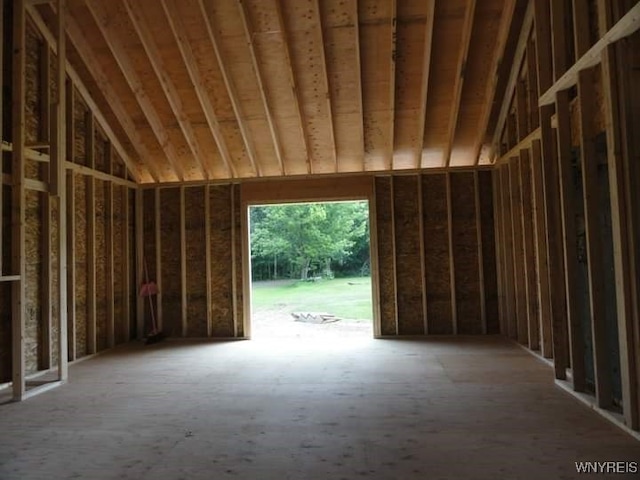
(91, 238)
(544, 300)
(158, 241)
(71, 261)
(139, 232)
(109, 231)
(18, 300)
(234, 276)
(568, 212)
(126, 267)
(483, 303)
(207, 236)
(454, 305)
(183, 263)
(591, 187)
(423, 285)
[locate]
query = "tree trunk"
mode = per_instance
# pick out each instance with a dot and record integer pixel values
(305, 269)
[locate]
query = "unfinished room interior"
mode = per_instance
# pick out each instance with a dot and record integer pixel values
(497, 143)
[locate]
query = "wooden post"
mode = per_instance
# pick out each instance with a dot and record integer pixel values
(591, 187)
(568, 213)
(622, 226)
(158, 241)
(483, 304)
(139, 232)
(207, 255)
(511, 330)
(234, 277)
(423, 286)
(17, 203)
(45, 135)
(91, 237)
(529, 253)
(499, 246)
(551, 192)
(183, 262)
(540, 227)
(452, 277)
(109, 231)
(126, 266)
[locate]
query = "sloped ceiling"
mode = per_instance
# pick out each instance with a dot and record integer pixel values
(232, 89)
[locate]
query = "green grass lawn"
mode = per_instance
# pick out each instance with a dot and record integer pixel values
(347, 298)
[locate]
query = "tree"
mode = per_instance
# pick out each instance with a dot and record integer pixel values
(308, 236)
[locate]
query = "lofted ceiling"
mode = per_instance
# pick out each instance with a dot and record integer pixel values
(230, 89)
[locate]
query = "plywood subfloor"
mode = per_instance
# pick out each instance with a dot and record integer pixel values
(477, 408)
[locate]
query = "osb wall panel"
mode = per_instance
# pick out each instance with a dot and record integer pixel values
(133, 291)
(196, 267)
(237, 225)
(119, 231)
(171, 261)
(149, 254)
(79, 130)
(32, 98)
(465, 253)
(435, 222)
(408, 260)
(80, 233)
(221, 261)
(5, 332)
(55, 301)
(487, 222)
(33, 261)
(384, 223)
(101, 265)
(102, 162)
(5, 288)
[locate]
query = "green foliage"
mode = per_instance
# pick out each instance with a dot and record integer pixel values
(307, 239)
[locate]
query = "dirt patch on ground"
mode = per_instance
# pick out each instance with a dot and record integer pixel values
(277, 323)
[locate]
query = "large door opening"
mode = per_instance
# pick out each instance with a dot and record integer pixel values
(310, 267)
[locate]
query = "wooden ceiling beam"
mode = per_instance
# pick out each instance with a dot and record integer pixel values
(207, 13)
(392, 83)
(168, 87)
(426, 69)
(100, 77)
(263, 95)
(179, 33)
(292, 83)
(501, 42)
(325, 81)
(459, 80)
(120, 55)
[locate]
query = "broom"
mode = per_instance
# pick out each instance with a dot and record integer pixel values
(148, 289)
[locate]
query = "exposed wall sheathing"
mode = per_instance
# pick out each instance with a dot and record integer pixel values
(5, 288)
(119, 231)
(221, 261)
(149, 254)
(406, 214)
(196, 274)
(33, 269)
(237, 240)
(488, 236)
(101, 265)
(386, 255)
(81, 296)
(32, 103)
(436, 254)
(171, 261)
(465, 253)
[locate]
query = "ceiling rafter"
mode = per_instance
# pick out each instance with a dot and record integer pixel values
(168, 87)
(325, 81)
(292, 83)
(265, 102)
(102, 80)
(136, 85)
(392, 83)
(457, 93)
(503, 34)
(426, 70)
(207, 13)
(178, 29)
(356, 22)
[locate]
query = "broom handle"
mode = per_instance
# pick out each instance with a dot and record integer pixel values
(153, 315)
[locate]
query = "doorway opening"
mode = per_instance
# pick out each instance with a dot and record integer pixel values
(310, 267)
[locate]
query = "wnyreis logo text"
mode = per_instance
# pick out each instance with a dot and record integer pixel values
(607, 467)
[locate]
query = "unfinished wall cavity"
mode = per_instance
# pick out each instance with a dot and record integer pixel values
(432, 265)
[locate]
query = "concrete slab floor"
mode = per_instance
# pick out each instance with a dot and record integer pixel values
(477, 408)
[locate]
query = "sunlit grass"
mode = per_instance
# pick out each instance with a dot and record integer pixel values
(347, 298)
